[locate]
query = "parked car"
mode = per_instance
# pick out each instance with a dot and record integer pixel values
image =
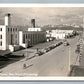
(59, 43)
(47, 49)
(66, 43)
(39, 53)
(51, 47)
(77, 49)
(43, 50)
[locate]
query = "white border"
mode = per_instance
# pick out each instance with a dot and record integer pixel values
(41, 5)
(41, 78)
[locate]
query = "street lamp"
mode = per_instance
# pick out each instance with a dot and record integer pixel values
(29, 41)
(26, 49)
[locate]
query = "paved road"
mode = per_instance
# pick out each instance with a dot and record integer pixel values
(54, 63)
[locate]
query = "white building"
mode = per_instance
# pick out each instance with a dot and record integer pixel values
(3, 33)
(12, 37)
(58, 33)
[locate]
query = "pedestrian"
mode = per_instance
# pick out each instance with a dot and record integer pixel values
(24, 66)
(23, 55)
(37, 49)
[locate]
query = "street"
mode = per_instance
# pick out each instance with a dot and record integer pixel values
(53, 63)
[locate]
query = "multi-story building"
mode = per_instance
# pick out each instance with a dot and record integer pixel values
(12, 37)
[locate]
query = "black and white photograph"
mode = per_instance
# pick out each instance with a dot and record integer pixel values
(41, 41)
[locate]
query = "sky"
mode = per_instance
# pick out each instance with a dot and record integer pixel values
(44, 15)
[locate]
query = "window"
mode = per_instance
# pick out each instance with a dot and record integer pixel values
(16, 29)
(0, 36)
(11, 39)
(11, 29)
(23, 38)
(16, 36)
(26, 36)
(0, 29)
(0, 43)
(8, 29)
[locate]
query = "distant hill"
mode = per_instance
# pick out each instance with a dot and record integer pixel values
(63, 28)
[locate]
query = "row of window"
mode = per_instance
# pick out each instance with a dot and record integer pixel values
(32, 36)
(12, 29)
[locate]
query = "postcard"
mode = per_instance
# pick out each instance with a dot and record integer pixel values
(41, 41)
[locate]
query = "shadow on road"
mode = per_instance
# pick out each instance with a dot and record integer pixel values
(25, 67)
(8, 59)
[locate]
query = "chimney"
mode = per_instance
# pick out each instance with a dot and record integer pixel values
(33, 23)
(7, 19)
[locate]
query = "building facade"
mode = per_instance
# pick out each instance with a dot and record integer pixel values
(30, 38)
(58, 34)
(12, 37)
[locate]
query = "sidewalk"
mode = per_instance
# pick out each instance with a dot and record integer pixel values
(78, 68)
